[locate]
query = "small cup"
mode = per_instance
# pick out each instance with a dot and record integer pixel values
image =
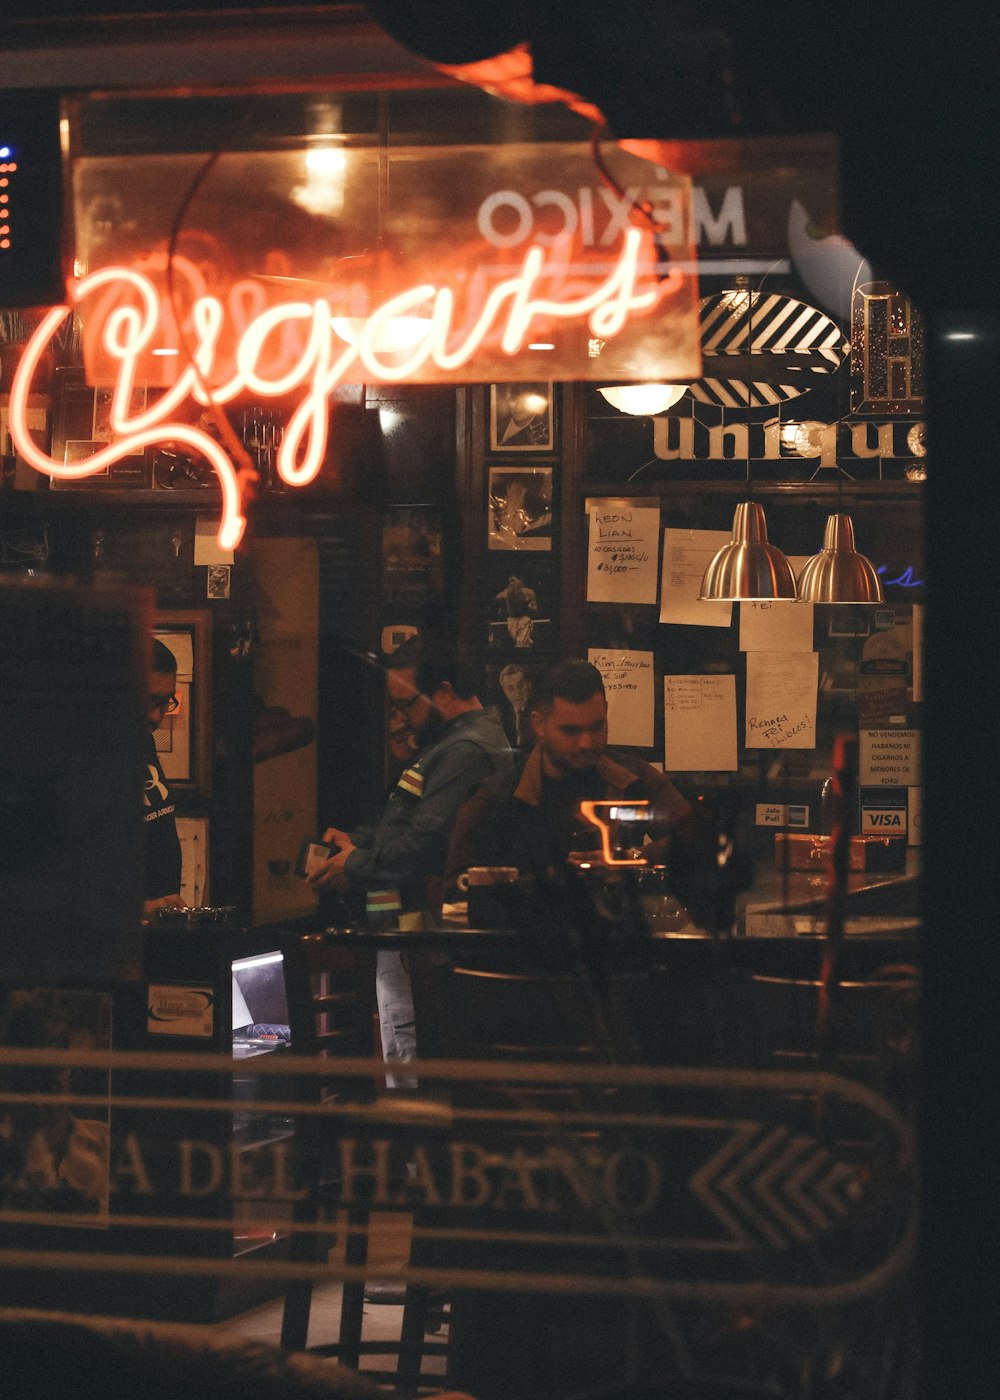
(487, 875)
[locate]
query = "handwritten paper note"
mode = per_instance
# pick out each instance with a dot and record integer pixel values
(781, 700)
(699, 724)
(628, 684)
(776, 626)
(686, 556)
(622, 555)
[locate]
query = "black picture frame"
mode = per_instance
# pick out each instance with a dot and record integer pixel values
(520, 507)
(522, 417)
(183, 740)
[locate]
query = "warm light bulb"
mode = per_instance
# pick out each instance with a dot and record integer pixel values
(644, 399)
(326, 160)
(400, 333)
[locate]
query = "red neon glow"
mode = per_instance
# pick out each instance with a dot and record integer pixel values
(126, 331)
(603, 815)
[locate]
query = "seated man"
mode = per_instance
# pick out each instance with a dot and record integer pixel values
(392, 861)
(162, 847)
(529, 818)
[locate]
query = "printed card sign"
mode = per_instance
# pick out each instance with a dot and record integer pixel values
(883, 811)
(180, 1010)
(794, 815)
(890, 757)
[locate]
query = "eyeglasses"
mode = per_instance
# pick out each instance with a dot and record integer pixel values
(167, 703)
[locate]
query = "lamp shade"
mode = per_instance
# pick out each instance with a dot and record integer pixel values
(838, 573)
(642, 399)
(748, 569)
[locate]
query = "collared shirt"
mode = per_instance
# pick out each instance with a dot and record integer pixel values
(530, 821)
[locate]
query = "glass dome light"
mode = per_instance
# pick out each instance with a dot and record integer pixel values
(643, 399)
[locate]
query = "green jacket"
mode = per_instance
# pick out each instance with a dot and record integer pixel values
(409, 842)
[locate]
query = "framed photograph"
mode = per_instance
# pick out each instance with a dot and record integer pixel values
(412, 557)
(849, 620)
(507, 685)
(217, 581)
(520, 508)
(81, 428)
(522, 418)
(519, 595)
(183, 738)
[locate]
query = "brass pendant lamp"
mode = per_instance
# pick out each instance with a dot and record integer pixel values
(838, 573)
(748, 569)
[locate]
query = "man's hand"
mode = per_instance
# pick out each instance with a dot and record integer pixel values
(329, 875)
(165, 901)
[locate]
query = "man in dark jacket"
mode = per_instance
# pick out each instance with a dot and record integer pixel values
(392, 861)
(529, 818)
(162, 877)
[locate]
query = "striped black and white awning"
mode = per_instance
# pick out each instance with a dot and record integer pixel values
(763, 349)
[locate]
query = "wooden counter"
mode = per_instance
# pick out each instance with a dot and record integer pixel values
(784, 903)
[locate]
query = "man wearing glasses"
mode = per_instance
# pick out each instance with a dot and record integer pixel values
(397, 862)
(162, 879)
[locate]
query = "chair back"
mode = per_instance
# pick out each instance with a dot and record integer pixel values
(864, 1028)
(331, 995)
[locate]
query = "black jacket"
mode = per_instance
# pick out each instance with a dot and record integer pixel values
(524, 819)
(162, 847)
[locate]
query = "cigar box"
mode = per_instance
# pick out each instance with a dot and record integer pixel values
(801, 851)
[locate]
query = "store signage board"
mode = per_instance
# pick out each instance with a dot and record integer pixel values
(490, 240)
(451, 264)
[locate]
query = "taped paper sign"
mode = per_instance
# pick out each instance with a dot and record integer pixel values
(781, 700)
(622, 554)
(699, 724)
(628, 685)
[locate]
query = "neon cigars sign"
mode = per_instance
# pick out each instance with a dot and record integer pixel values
(293, 347)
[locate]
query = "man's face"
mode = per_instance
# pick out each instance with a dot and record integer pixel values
(573, 736)
(514, 685)
(161, 693)
(402, 686)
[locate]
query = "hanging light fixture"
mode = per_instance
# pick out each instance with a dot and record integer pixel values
(643, 399)
(748, 569)
(838, 573)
